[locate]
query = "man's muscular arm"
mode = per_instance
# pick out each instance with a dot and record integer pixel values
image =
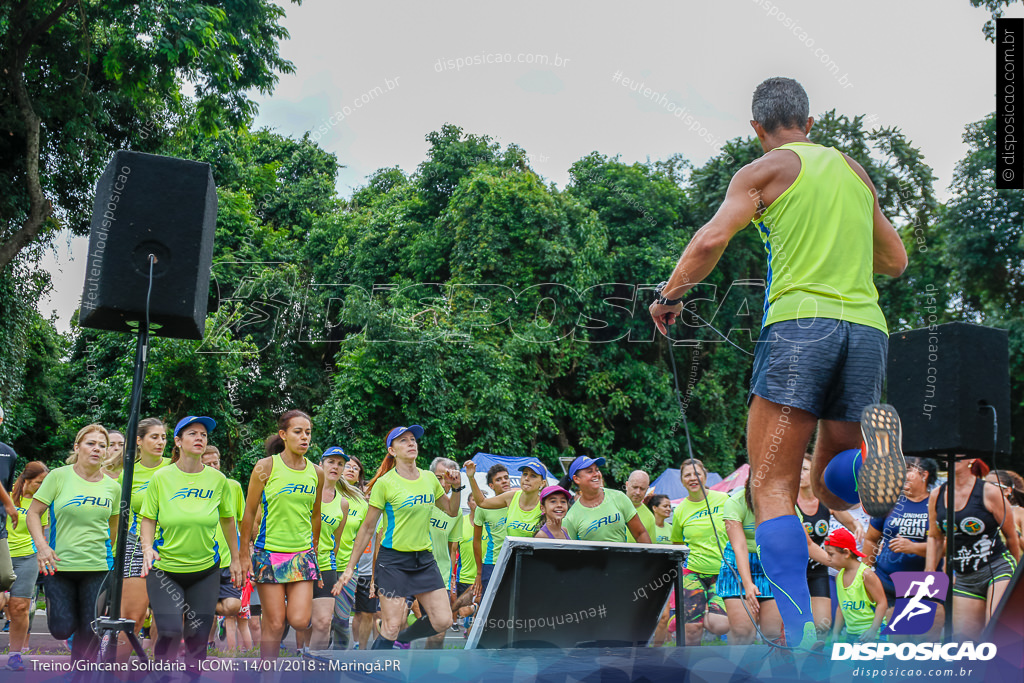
(708, 244)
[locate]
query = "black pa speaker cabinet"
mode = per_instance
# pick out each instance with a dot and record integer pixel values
(553, 593)
(148, 204)
(940, 379)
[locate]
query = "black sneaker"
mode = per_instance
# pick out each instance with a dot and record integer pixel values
(884, 471)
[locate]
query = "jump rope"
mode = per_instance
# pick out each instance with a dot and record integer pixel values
(772, 645)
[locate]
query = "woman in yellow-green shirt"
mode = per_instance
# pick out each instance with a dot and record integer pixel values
(23, 558)
(405, 495)
(184, 504)
(284, 557)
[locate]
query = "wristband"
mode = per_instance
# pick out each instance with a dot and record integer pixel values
(458, 489)
(659, 297)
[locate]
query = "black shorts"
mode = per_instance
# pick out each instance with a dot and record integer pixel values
(364, 603)
(329, 578)
(484, 574)
(405, 574)
(463, 587)
(227, 589)
(817, 582)
(830, 368)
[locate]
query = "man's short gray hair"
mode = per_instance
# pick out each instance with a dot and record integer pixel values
(780, 103)
(440, 462)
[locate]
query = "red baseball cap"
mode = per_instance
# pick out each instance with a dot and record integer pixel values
(842, 538)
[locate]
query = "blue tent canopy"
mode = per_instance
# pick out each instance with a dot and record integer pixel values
(670, 485)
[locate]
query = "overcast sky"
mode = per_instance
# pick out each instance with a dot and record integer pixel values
(391, 72)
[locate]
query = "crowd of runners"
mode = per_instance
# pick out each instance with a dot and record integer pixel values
(341, 561)
(346, 562)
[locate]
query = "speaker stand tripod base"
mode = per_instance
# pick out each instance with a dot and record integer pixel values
(108, 628)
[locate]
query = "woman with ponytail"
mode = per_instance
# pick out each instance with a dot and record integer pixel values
(284, 557)
(150, 441)
(405, 563)
(23, 557)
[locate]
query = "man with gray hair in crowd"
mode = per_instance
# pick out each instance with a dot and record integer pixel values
(820, 358)
(636, 489)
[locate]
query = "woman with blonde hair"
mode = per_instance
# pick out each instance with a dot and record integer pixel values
(84, 505)
(113, 463)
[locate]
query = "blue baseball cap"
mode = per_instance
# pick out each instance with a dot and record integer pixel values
(416, 430)
(582, 463)
(207, 422)
(334, 451)
(536, 466)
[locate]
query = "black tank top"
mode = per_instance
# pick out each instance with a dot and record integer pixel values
(817, 528)
(977, 541)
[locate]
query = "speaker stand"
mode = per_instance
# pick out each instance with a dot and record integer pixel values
(950, 460)
(108, 628)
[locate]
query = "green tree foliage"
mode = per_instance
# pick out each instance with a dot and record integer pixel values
(996, 8)
(507, 315)
(82, 79)
(985, 256)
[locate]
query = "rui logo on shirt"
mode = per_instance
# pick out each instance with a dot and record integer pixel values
(608, 519)
(193, 493)
(329, 521)
(302, 489)
(522, 526)
(78, 501)
(422, 499)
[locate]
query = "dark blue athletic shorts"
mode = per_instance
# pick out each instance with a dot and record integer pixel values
(830, 368)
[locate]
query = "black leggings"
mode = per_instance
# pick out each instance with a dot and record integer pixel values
(71, 609)
(183, 606)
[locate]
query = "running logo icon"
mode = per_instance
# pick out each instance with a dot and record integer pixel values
(914, 614)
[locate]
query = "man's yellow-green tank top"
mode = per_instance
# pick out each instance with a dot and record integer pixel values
(818, 236)
(288, 498)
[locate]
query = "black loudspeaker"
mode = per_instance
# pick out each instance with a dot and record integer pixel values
(148, 204)
(553, 593)
(941, 380)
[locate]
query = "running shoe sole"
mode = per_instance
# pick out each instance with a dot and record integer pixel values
(884, 471)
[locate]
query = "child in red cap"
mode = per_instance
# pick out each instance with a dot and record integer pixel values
(862, 601)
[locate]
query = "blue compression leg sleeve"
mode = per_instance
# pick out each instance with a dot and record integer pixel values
(782, 546)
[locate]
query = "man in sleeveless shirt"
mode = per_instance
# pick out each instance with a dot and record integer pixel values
(821, 353)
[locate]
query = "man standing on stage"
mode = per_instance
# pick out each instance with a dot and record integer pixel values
(821, 355)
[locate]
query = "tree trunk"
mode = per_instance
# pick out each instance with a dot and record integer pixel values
(39, 207)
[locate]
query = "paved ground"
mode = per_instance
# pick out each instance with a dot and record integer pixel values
(41, 642)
